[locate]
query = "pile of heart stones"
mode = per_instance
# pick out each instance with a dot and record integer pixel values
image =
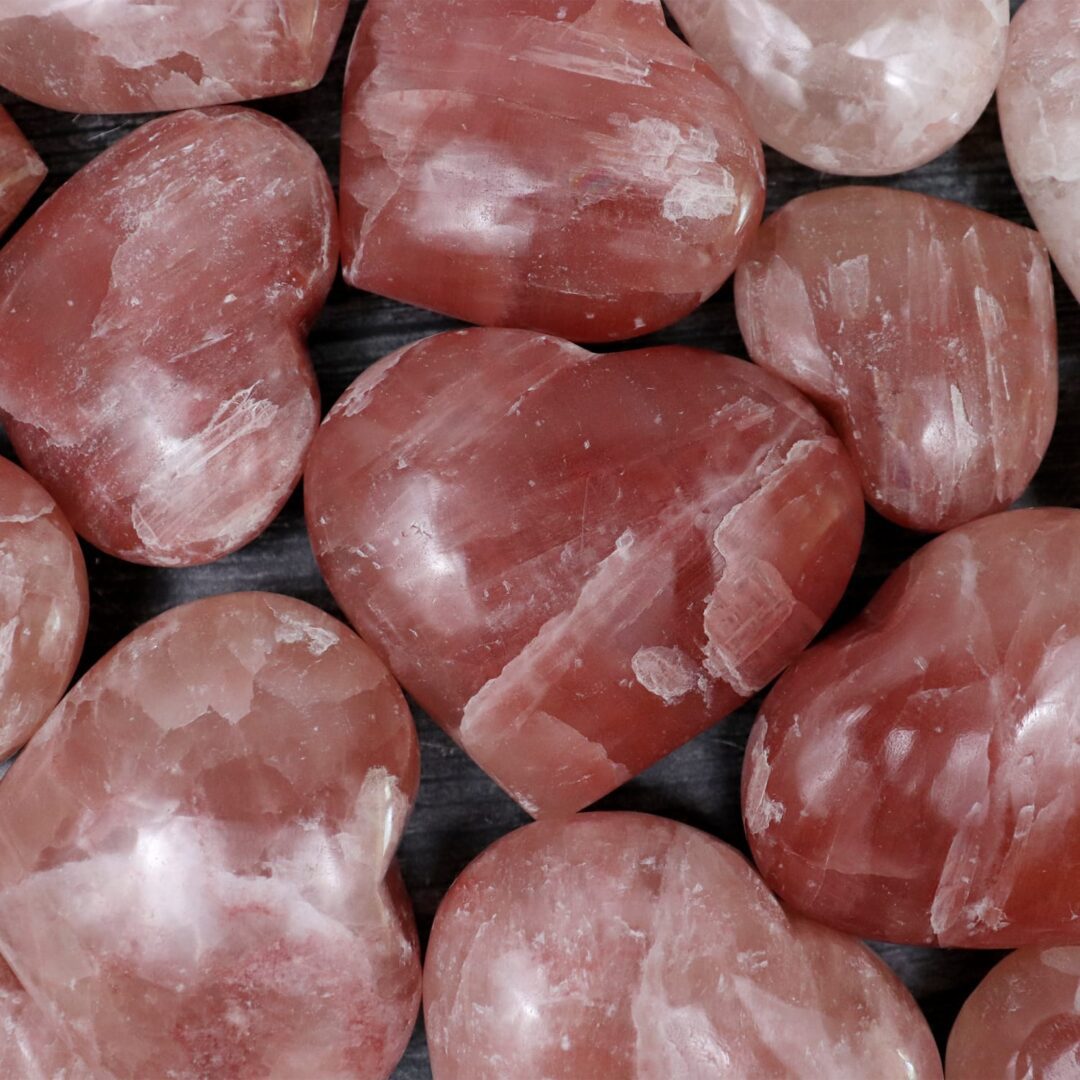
(574, 561)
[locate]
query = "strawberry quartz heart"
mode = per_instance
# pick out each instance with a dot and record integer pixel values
(196, 859)
(564, 165)
(574, 562)
(153, 373)
(21, 170)
(916, 777)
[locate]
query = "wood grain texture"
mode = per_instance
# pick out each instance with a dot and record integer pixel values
(460, 811)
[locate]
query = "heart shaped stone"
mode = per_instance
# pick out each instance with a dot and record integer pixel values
(564, 165)
(916, 777)
(924, 330)
(125, 56)
(154, 375)
(21, 170)
(196, 851)
(576, 563)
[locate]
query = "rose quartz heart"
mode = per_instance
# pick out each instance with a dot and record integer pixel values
(21, 170)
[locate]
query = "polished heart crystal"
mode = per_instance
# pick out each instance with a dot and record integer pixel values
(924, 330)
(861, 88)
(623, 945)
(117, 56)
(1023, 1021)
(196, 851)
(564, 165)
(153, 374)
(21, 170)
(574, 562)
(916, 777)
(1039, 102)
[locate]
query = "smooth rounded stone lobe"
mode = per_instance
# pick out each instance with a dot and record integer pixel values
(916, 777)
(568, 166)
(196, 851)
(860, 89)
(924, 330)
(129, 56)
(21, 170)
(623, 945)
(154, 375)
(1039, 104)
(576, 563)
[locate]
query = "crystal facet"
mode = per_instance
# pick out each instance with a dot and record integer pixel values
(21, 171)
(564, 165)
(916, 777)
(924, 330)
(623, 945)
(196, 858)
(153, 374)
(574, 562)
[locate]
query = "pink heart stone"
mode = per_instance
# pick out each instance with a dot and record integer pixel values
(924, 330)
(21, 170)
(623, 945)
(122, 56)
(44, 605)
(916, 777)
(153, 373)
(1039, 102)
(196, 851)
(564, 165)
(576, 563)
(861, 88)
(1022, 1021)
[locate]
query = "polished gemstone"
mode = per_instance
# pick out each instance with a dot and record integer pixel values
(21, 170)
(564, 165)
(574, 562)
(862, 88)
(1023, 1021)
(119, 56)
(924, 330)
(196, 852)
(916, 777)
(627, 946)
(1039, 102)
(153, 374)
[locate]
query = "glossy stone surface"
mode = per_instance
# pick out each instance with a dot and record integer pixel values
(916, 777)
(576, 563)
(21, 170)
(43, 606)
(924, 330)
(153, 372)
(627, 946)
(125, 56)
(863, 88)
(1039, 103)
(1023, 1021)
(196, 873)
(564, 165)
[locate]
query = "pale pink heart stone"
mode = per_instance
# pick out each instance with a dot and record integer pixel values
(856, 87)
(564, 165)
(576, 563)
(1022, 1022)
(121, 56)
(1039, 103)
(153, 370)
(627, 947)
(924, 330)
(21, 170)
(916, 777)
(196, 852)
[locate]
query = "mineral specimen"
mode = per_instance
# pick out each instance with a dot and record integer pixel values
(118, 56)
(21, 171)
(196, 874)
(916, 777)
(576, 563)
(564, 165)
(153, 374)
(623, 945)
(1023, 1022)
(863, 89)
(1039, 102)
(924, 330)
